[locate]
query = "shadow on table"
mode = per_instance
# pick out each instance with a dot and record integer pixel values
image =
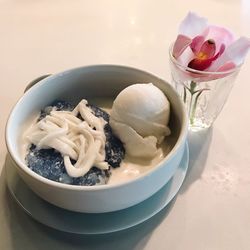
(25, 233)
(133, 238)
(199, 143)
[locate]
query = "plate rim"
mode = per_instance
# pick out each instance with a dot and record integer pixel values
(170, 196)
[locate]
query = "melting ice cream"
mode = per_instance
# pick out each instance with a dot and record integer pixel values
(139, 117)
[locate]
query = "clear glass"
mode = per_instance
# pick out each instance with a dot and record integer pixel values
(204, 93)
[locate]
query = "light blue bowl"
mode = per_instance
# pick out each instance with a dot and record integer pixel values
(91, 83)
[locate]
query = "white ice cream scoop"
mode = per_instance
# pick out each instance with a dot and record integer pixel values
(139, 117)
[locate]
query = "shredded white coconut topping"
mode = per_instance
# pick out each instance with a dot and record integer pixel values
(76, 139)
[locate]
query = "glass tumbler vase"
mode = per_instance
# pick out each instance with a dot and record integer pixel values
(203, 93)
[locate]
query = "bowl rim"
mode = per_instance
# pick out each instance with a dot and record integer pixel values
(20, 164)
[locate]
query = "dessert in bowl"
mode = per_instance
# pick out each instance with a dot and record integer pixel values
(129, 177)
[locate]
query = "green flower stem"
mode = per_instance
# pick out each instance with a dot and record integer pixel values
(193, 102)
(191, 106)
(185, 94)
(194, 106)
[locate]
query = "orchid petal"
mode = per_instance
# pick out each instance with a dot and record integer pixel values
(208, 48)
(181, 43)
(202, 64)
(236, 53)
(221, 51)
(220, 35)
(197, 43)
(227, 66)
(186, 57)
(205, 32)
(192, 25)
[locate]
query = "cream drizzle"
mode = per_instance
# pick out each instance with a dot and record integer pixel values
(76, 139)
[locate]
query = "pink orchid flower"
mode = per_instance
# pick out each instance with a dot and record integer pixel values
(209, 48)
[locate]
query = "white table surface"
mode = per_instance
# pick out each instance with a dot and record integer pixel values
(212, 209)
